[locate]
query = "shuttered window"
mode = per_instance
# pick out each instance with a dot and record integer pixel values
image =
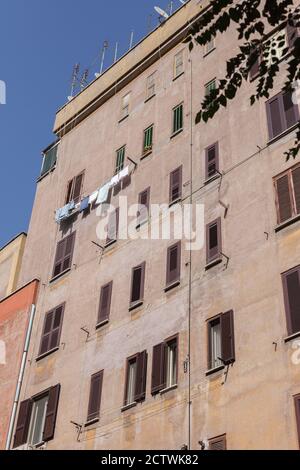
(95, 396)
(144, 205)
(177, 118)
(217, 443)
(178, 64)
(37, 418)
(74, 189)
(164, 365)
(52, 330)
(113, 227)
(175, 191)
(173, 264)
(49, 160)
(150, 86)
(221, 347)
(291, 292)
(297, 409)
(120, 159)
(282, 114)
(213, 241)
(137, 285)
(136, 377)
(125, 106)
(287, 188)
(148, 139)
(64, 255)
(105, 303)
(211, 160)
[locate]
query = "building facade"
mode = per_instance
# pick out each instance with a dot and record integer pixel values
(145, 343)
(10, 264)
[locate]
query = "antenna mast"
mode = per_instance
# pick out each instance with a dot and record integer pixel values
(75, 74)
(103, 51)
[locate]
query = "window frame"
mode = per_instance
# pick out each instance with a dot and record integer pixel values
(52, 350)
(63, 258)
(282, 115)
(134, 359)
(150, 85)
(136, 303)
(292, 195)
(71, 188)
(31, 428)
(120, 166)
(125, 106)
(284, 275)
(176, 73)
(148, 149)
(176, 130)
(211, 260)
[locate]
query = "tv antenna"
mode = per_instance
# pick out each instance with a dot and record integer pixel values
(103, 51)
(75, 74)
(131, 40)
(162, 13)
(84, 78)
(116, 52)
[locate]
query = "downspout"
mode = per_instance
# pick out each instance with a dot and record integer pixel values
(20, 379)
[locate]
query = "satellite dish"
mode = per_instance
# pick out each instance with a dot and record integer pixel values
(161, 12)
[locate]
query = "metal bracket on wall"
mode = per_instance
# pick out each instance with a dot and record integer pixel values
(132, 161)
(78, 428)
(227, 260)
(84, 329)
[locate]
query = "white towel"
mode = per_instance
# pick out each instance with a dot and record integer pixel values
(103, 193)
(115, 179)
(124, 172)
(93, 197)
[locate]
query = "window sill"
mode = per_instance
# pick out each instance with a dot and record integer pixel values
(168, 389)
(291, 337)
(209, 52)
(46, 354)
(212, 178)
(213, 263)
(92, 421)
(110, 243)
(146, 154)
(288, 222)
(127, 407)
(172, 286)
(149, 98)
(176, 133)
(283, 134)
(36, 446)
(177, 76)
(177, 201)
(135, 305)
(102, 323)
(123, 118)
(214, 370)
(64, 273)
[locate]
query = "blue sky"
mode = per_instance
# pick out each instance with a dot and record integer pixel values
(40, 41)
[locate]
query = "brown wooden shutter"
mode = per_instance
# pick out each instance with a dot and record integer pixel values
(52, 329)
(141, 376)
(173, 263)
(291, 291)
(213, 240)
(158, 368)
(217, 443)
(137, 283)
(296, 185)
(59, 257)
(77, 188)
(275, 117)
(211, 160)
(144, 201)
(284, 200)
(51, 413)
(64, 254)
(113, 226)
(297, 408)
(95, 396)
(105, 302)
(291, 111)
(23, 423)
(227, 337)
(175, 185)
(69, 191)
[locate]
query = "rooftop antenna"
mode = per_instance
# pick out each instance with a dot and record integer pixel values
(183, 2)
(131, 40)
(170, 7)
(149, 25)
(116, 52)
(83, 81)
(75, 74)
(103, 51)
(162, 14)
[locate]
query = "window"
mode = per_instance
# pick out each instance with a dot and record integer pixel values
(37, 418)
(297, 408)
(165, 365)
(113, 227)
(49, 160)
(287, 189)
(213, 241)
(217, 443)
(144, 203)
(125, 106)
(177, 118)
(173, 265)
(221, 348)
(52, 330)
(178, 64)
(281, 114)
(120, 159)
(148, 140)
(136, 376)
(209, 46)
(291, 292)
(74, 189)
(105, 303)
(95, 396)
(211, 160)
(210, 87)
(64, 255)
(150, 86)
(137, 285)
(175, 191)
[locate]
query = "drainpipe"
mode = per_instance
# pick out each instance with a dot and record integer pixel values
(20, 379)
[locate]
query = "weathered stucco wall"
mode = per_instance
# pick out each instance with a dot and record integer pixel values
(254, 404)
(10, 264)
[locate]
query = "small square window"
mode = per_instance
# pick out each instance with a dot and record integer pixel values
(178, 64)
(150, 86)
(177, 118)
